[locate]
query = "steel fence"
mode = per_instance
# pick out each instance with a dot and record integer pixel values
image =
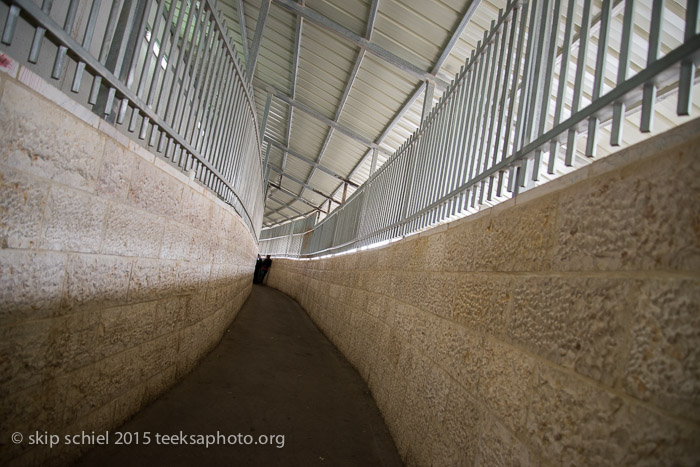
(162, 71)
(545, 81)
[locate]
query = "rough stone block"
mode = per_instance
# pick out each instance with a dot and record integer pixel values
(571, 422)
(664, 357)
(195, 209)
(125, 327)
(31, 284)
(51, 144)
(154, 191)
(459, 353)
(44, 348)
(479, 302)
(577, 322)
(468, 246)
(25, 411)
(73, 221)
(635, 218)
(91, 387)
(522, 237)
(505, 382)
(462, 422)
(177, 241)
(130, 232)
(162, 352)
(22, 200)
(115, 172)
(96, 280)
(151, 278)
(499, 447)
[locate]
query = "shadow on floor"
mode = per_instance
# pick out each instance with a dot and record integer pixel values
(274, 377)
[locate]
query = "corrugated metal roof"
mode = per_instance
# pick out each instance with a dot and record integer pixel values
(362, 105)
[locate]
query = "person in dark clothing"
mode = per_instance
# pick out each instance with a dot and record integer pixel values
(256, 274)
(265, 267)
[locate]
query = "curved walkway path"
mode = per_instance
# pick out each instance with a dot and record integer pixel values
(274, 373)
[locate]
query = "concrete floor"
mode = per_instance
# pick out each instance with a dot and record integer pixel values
(274, 373)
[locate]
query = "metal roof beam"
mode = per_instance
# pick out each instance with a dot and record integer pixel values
(318, 116)
(360, 41)
(284, 206)
(257, 39)
(370, 20)
(291, 193)
(244, 31)
(311, 162)
(358, 62)
(456, 35)
(305, 185)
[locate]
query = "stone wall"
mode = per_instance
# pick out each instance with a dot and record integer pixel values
(559, 328)
(117, 272)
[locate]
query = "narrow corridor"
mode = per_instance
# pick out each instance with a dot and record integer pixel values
(273, 376)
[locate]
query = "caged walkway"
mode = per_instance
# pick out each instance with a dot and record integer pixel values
(274, 373)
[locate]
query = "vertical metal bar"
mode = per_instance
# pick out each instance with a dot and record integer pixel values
(594, 122)
(106, 45)
(199, 80)
(188, 72)
(625, 44)
(39, 34)
(212, 101)
(498, 97)
(244, 33)
(488, 115)
(454, 124)
(578, 84)
(206, 93)
(181, 60)
(373, 164)
(121, 54)
(444, 146)
(10, 24)
(228, 75)
(460, 124)
(62, 49)
(138, 44)
(536, 92)
(513, 95)
(687, 75)
(427, 99)
(484, 77)
(649, 93)
(87, 39)
(563, 82)
(202, 34)
(551, 49)
(226, 121)
(263, 123)
(161, 53)
(521, 124)
(476, 64)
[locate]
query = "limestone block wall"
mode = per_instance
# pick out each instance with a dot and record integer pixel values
(117, 272)
(560, 328)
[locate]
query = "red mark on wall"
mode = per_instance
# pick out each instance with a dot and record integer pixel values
(5, 61)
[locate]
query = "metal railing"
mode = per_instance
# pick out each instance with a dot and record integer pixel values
(546, 80)
(287, 239)
(162, 71)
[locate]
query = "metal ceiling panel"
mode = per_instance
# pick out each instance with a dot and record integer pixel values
(350, 13)
(414, 29)
(342, 153)
(308, 135)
